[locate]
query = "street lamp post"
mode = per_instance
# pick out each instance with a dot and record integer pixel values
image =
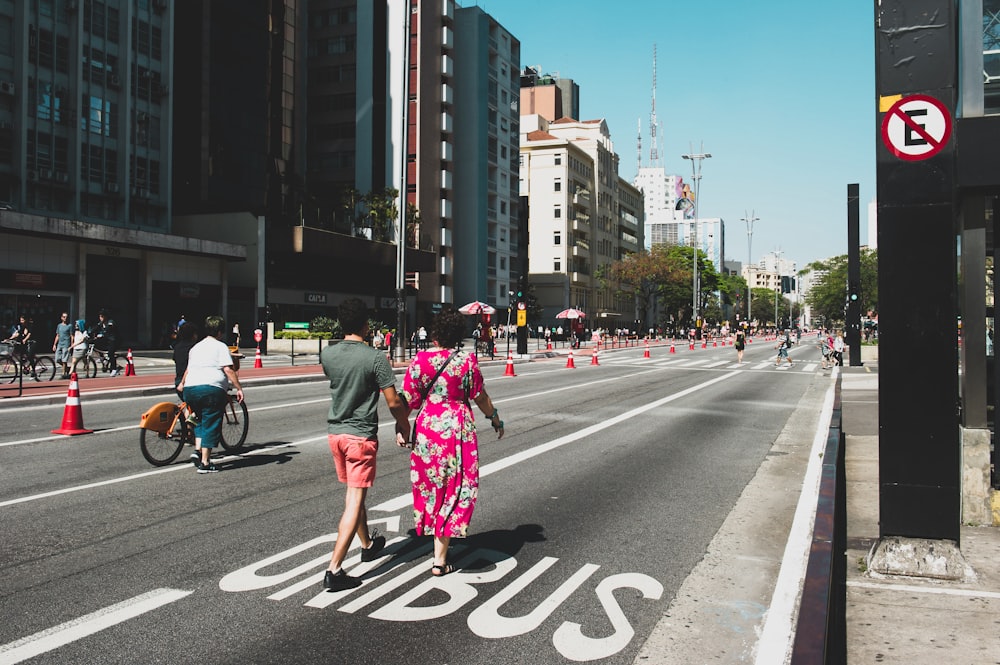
(696, 159)
(749, 219)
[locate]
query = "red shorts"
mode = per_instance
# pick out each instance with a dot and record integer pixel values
(354, 457)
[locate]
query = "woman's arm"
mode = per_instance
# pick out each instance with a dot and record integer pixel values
(233, 380)
(486, 405)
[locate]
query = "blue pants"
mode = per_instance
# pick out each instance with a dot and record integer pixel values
(208, 403)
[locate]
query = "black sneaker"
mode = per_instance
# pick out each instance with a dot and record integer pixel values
(206, 468)
(340, 581)
(378, 544)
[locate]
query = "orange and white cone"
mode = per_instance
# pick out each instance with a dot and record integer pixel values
(569, 360)
(645, 354)
(593, 357)
(672, 350)
(129, 365)
(509, 371)
(715, 343)
(257, 364)
(72, 422)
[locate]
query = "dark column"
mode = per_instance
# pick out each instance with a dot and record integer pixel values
(919, 450)
(853, 322)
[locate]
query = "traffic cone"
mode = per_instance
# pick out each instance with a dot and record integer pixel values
(257, 364)
(129, 365)
(593, 357)
(715, 344)
(645, 354)
(672, 350)
(72, 422)
(510, 365)
(569, 360)
(548, 345)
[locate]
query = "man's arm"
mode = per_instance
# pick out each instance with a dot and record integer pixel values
(401, 412)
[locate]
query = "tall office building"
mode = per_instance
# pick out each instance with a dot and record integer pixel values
(486, 158)
(86, 123)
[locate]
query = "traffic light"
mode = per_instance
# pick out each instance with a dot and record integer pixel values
(521, 287)
(853, 293)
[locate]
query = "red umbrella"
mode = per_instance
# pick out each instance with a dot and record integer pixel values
(476, 307)
(571, 313)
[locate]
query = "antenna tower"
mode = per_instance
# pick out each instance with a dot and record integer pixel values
(654, 157)
(638, 143)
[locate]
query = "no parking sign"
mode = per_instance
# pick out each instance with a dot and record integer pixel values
(916, 127)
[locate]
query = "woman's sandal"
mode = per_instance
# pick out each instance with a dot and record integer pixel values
(438, 571)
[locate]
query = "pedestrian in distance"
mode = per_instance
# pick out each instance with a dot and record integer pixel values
(105, 338)
(783, 345)
(187, 336)
(838, 349)
(205, 385)
(62, 342)
(444, 460)
(740, 344)
(78, 347)
(358, 373)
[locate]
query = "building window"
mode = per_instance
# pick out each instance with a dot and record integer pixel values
(557, 238)
(557, 212)
(557, 185)
(557, 265)
(558, 160)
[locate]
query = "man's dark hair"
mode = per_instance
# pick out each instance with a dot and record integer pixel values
(448, 328)
(213, 324)
(353, 315)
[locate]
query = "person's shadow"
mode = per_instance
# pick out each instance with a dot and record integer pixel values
(505, 541)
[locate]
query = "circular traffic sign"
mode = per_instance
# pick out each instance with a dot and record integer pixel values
(258, 335)
(916, 127)
(521, 305)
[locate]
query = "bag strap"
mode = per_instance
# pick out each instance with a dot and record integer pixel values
(427, 389)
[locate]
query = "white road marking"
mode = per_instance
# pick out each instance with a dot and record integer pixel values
(63, 634)
(774, 642)
(402, 501)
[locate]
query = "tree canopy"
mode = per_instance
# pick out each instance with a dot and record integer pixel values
(828, 293)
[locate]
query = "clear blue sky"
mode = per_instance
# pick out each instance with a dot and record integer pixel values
(780, 92)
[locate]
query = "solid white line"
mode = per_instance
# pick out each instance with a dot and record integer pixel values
(63, 634)
(776, 636)
(910, 588)
(404, 500)
(155, 472)
(109, 430)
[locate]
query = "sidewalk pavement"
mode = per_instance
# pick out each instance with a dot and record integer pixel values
(899, 619)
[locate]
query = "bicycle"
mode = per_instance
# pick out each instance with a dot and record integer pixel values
(20, 360)
(164, 430)
(91, 358)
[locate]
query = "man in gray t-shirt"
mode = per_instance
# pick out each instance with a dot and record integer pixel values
(357, 373)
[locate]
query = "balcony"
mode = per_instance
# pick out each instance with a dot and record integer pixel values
(447, 66)
(446, 180)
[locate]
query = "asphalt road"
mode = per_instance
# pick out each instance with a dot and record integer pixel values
(596, 506)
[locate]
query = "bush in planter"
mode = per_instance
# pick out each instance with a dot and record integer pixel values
(301, 334)
(326, 324)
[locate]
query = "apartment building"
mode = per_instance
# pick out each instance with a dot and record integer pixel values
(582, 217)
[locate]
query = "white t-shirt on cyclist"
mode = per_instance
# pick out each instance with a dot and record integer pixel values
(205, 362)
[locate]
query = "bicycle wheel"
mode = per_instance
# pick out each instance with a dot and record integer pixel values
(9, 369)
(158, 448)
(44, 369)
(89, 367)
(235, 423)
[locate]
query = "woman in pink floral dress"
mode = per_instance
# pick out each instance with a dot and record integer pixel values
(444, 463)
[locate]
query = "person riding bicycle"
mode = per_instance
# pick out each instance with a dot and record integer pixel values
(105, 339)
(20, 340)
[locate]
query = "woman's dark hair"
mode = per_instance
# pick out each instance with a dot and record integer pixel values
(214, 324)
(187, 332)
(448, 328)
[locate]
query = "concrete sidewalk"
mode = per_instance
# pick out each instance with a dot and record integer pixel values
(899, 619)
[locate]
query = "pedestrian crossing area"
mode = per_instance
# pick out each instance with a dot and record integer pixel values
(709, 363)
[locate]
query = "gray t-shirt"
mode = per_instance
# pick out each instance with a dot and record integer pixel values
(358, 374)
(64, 331)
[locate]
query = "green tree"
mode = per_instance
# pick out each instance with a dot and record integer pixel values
(828, 293)
(381, 212)
(644, 275)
